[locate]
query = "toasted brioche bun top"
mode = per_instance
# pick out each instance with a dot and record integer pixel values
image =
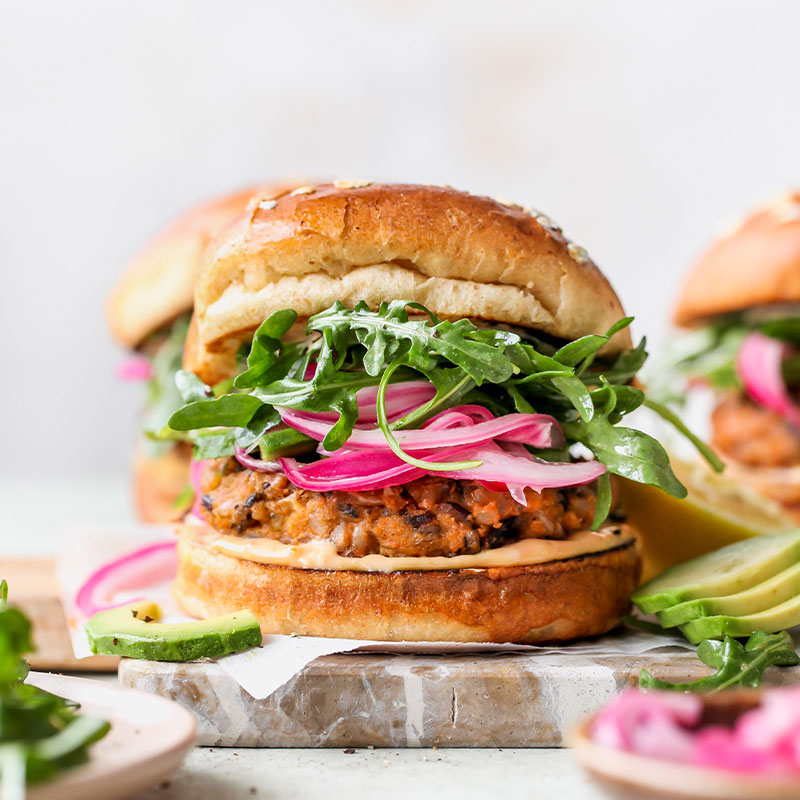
(756, 264)
(458, 254)
(158, 284)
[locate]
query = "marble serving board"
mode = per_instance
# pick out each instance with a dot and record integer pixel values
(362, 700)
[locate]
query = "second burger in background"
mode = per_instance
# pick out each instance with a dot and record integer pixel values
(422, 425)
(148, 312)
(741, 304)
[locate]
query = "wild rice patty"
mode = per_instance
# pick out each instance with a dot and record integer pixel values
(427, 517)
(753, 435)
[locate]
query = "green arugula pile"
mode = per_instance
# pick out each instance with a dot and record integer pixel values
(708, 354)
(40, 733)
(501, 369)
(737, 664)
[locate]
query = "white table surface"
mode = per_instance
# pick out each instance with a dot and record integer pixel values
(230, 774)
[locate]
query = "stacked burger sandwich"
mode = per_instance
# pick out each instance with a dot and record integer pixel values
(405, 404)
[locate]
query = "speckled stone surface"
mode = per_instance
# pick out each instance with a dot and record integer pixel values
(358, 700)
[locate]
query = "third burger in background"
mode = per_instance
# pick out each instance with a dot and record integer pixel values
(405, 403)
(741, 303)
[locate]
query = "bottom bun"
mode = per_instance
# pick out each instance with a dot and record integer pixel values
(550, 602)
(158, 482)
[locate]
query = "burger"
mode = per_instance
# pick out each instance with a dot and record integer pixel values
(148, 312)
(738, 360)
(404, 403)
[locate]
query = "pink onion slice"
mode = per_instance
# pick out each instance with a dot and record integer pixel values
(652, 723)
(510, 469)
(137, 570)
(354, 470)
(255, 464)
(668, 725)
(135, 368)
(537, 430)
(759, 364)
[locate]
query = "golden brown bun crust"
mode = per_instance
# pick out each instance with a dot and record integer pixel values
(757, 264)
(158, 284)
(550, 602)
(158, 482)
(458, 254)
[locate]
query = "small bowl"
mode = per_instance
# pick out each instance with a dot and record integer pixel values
(635, 777)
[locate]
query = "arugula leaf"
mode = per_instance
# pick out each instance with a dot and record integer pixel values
(579, 350)
(347, 407)
(626, 365)
(214, 444)
(230, 410)
(266, 345)
(40, 733)
(786, 329)
(481, 361)
(627, 452)
(576, 392)
(669, 416)
(455, 341)
(602, 506)
(736, 664)
(191, 388)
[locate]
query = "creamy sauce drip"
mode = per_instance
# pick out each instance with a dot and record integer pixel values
(321, 554)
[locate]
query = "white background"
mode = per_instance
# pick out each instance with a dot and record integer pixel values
(639, 126)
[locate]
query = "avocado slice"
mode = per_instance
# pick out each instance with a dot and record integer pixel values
(771, 592)
(732, 569)
(778, 618)
(134, 631)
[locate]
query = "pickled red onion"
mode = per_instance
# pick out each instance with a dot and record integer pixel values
(135, 368)
(537, 430)
(649, 723)
(759, 365)
(255, 464)
(137, 570)
(355, 470)
(763, 740)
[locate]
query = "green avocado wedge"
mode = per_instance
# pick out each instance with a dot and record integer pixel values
(731, 570)
(773, 591)
(134, 631)
(777, 618)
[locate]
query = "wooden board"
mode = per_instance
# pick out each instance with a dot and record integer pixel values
(361, 700)
(32, 585)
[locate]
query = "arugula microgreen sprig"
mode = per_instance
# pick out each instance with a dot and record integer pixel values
(737, 664)
(505, 370)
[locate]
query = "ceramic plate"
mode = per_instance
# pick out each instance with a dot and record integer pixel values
(149, 738)
(634, 777)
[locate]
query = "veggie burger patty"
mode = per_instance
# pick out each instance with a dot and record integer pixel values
(430, 516)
